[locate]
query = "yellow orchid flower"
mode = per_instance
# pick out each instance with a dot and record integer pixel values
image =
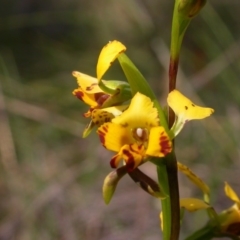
(185, 110)
(135, 134)
(230, 218)
(95, 92)
(101, 94)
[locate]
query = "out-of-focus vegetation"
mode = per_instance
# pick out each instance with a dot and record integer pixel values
(51, 178)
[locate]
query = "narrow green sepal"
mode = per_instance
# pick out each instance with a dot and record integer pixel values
(139, 84)
(110, 183)
(136, 80)
(87, 130)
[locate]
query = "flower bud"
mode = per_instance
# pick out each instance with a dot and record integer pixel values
(110, 183)
(190, 8)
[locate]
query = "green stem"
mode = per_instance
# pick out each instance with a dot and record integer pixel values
(166, 203)
(167, 175)
(172, 173)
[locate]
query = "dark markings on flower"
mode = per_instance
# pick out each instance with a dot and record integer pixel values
(124, 125)
(132, 149)
(164, 143)
(91, 87)
(117, 91)
(129, 159)
(186, 107)
(79, 95)
(101, 98)
(105, 128)
(113, 162)
(234, 229)
(193, 105)
(101, 136)
(97, 122)
(149, 125)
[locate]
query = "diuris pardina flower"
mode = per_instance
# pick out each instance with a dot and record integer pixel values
(135, 134)
(99, 94)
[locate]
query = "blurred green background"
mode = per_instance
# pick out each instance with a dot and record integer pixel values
(51, 178)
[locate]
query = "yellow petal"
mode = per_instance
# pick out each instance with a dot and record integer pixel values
(231, 194)
(87, 83)
(159, 144)
(100, 116)
(185, 109)
(140, 114)
(114, 136)
(229, 220)
(89, 99)
(194, 178)
(107, 56)
(193, 204)
(161, 220)
(132, 154)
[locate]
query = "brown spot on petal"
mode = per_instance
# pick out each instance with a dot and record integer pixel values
(91, 87)
(102, 134)
(101, 98)
(79, 95)
(165, 145)
(234, 229)
(186, 107)
(130, 165)
(101, 137)
(129, 159)
(124, 125)
(105, 128)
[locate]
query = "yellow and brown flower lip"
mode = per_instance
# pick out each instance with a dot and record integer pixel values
(135, 134)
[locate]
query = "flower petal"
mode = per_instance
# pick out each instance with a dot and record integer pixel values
(230, 220)
(87, 83)
(132, 154)
(140, 114)
(100, 116)
(159, 144)
(114, 136)
(89, 99)
(185, 109)
(193, 204)
(231, 194)
(107, 56)
(194, 178)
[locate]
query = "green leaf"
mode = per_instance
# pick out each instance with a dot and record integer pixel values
(139, 84)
